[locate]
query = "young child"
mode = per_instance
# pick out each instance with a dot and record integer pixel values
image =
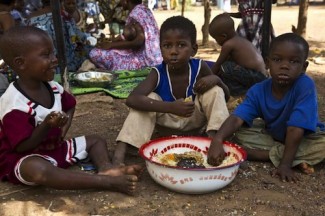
(239, 64)
(36, 113)
(180, 94)
(288, 132)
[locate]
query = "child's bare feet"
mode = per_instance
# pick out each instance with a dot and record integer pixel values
(124, 183)
(306, 168)
(124, 170)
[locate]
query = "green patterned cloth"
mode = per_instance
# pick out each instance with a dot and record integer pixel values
(121, 87)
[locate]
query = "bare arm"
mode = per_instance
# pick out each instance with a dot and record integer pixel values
(216, 153)
(52, 120)
(135, 44)
(224, 55)
(6, 21)
(66, 127)
(207, 80)
(139, 100)
(292, 141)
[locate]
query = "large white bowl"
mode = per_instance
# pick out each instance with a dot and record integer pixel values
(189, 180)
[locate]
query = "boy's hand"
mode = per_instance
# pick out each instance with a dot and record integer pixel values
(183, 108)
(204, 84)
(285, 173)
(216, 153)
(56, 119)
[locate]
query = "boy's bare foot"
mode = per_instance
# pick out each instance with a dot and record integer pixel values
(306, 168)
(123, 183)
(124, 170)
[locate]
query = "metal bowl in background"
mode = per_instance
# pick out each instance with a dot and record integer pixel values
(94, 79)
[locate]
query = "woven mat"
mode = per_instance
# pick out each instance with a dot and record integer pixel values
(121, 87)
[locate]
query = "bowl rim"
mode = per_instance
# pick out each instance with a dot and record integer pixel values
(78, 75)
(236, 146)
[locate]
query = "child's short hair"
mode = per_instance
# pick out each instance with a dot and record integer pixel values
(180, 23)
(14, 42)
(291, 37)
(222, 23)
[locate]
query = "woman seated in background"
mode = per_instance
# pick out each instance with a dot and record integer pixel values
(75, 41)
(72, 10)
(138, 53)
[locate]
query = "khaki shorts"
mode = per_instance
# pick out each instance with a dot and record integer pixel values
(311, 149)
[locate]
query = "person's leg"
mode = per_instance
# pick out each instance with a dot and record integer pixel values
(41, 172)
(210, 109)
(261, 146)
(311, 151)
(101, 58)
(98, 153)
(257, 154)
(239, 79)
(168, 4)
(256, 142)
(213, 105)
(137, 130)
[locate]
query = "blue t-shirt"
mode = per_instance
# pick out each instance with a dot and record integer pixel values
(298, 108)
(164, 85)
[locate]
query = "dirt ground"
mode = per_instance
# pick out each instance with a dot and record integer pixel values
(253, 192)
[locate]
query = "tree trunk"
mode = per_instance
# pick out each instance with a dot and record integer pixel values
(183, 6)
(266, 31)
(302, 19)
(57, 23)
(205, 27)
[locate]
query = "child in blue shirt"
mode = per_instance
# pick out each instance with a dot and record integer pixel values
(290, 134)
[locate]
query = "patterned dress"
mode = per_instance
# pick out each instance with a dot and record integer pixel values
(252, 20)
(127, 59)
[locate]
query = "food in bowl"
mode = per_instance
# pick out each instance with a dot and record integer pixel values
(192, 159)
(190, 179)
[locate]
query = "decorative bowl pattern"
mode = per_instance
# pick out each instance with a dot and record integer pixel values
(189, 180)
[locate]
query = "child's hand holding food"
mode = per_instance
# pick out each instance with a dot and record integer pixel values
(56, 119)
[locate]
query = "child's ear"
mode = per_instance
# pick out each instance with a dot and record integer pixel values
(195, 47)
(267, 63)
(224, 35)
(19, 62)
(306, 65)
